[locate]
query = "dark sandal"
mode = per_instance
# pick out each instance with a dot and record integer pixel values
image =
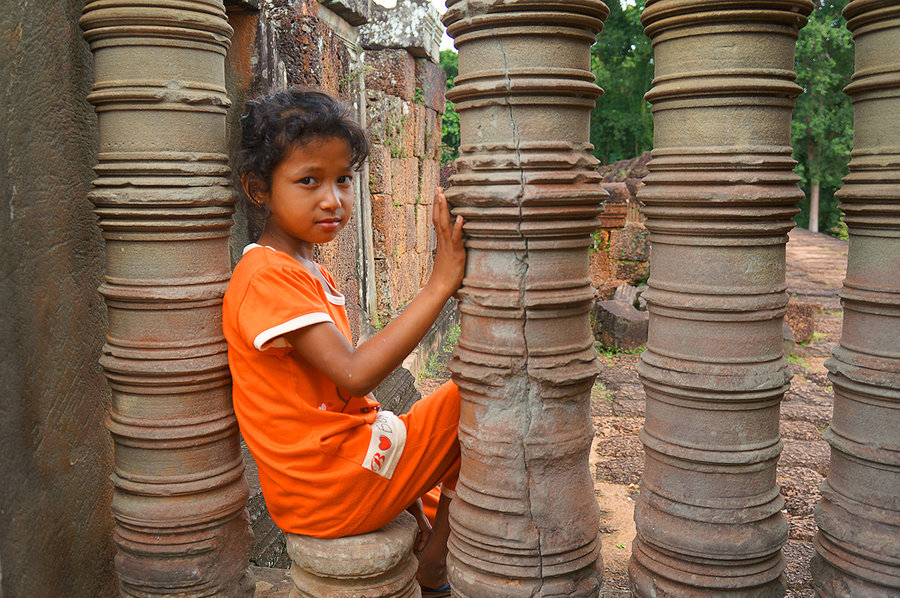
(437, 592)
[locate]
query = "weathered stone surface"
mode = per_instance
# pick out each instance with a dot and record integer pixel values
(718, 199)
(859, 516)
(799, 317)
(432, 80)
(622, 170)
(392, 72)
(380, 170)
(405, 181)
(163, 202)
(620, 325)
(630, 243)
(398, 391)
(525, 521)
(379, 564)
(355, 12)
(55, 452)
(412, 25)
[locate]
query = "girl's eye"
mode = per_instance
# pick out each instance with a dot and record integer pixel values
(307, 180)
(345, 179)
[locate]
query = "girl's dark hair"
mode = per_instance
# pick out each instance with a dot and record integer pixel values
(273, 125)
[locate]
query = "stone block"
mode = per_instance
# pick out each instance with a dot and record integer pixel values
(388, 226)
(418, 129)
(429, 178)
(378, 564)
(615, 207)
(355, 12)
(799, 318)
(634, 185)
(398, 391)
(380, 216)
(413, 130)
(410, 212)
(380, 169)
(432, 81)
(405, 180)
(630, 243)
(383, 289)
(618, 324)
(601, 269)
(632, 272)
(433, 133)
(384, 119)
(412, 25)
(423, 226)
(392, 72)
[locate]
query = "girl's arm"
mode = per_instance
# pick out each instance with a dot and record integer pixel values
(358, 371)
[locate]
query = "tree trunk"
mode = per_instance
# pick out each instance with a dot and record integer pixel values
(814, 205)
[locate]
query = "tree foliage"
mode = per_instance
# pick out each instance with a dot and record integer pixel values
(622, 62)
(822, 128)
(450, 125)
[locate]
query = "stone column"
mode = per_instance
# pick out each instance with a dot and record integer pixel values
(163, 200)
(719, 199)
(858, 545)
(525, 521)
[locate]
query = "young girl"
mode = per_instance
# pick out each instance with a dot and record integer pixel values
(331, 463)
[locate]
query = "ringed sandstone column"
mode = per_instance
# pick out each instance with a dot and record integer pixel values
(526, 520)
(719, 199)
(858, 545)
(163, 201)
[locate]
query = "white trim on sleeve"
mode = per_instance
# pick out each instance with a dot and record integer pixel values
(296, 324)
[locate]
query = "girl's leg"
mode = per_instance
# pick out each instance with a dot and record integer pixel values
(430, 456)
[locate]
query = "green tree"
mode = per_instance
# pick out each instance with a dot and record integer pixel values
(450, 125)
(822, 128)
(622, 62)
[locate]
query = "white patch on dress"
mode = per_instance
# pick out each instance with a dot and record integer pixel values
(386, 444)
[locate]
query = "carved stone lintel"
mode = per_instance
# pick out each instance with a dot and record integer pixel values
(379, 564)
(719, 199)
(525, 521)
(857, 550)
(163, 199)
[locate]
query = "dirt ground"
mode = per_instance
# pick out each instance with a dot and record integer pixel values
(816, 267)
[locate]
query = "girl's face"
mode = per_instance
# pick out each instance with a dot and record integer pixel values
(310, 198)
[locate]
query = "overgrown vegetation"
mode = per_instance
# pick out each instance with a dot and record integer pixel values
(822, 128)
(450, 124)
(622, 62)
(435, 365)
(609, 352)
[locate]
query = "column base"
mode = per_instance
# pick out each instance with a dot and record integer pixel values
(646, 583)
(831, 582)
(469, 583)
(379, 564)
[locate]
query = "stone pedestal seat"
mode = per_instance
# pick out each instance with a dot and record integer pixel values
(379, 564)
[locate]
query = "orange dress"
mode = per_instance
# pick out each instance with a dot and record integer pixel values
(329, 464)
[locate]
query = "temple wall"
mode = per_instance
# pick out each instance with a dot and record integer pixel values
(55, 452)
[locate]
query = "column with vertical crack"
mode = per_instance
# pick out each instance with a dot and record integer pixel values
(858, 544)
(163, 201)
(525, 522)
(719, 199)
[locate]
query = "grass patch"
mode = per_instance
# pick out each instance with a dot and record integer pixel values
(609, 352)
(434, 366)
(599, 391)
(796, 359)
(817, 337)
